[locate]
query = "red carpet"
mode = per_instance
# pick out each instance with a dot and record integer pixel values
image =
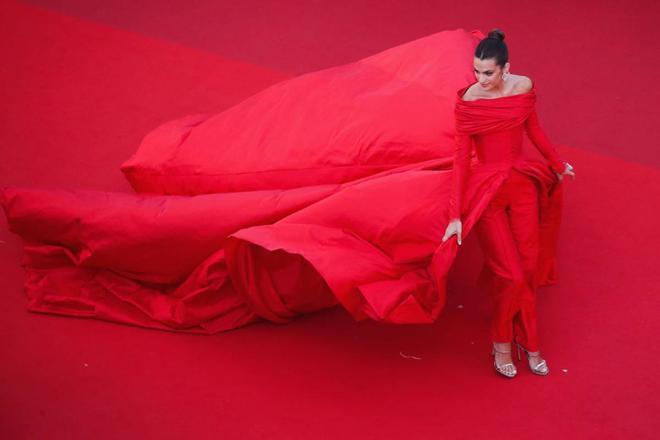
(82, 89)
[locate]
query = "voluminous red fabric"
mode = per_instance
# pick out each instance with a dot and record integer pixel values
(331, 188)
(331, 126)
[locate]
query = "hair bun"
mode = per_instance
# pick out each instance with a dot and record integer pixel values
(497, 34)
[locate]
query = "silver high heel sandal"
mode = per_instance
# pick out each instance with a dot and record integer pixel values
(541, 368)
(506, 370)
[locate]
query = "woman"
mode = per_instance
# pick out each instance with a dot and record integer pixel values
(492, 114)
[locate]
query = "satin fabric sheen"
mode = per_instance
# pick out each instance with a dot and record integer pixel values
(282, 206)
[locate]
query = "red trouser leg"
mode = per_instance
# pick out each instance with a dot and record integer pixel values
(508, 233)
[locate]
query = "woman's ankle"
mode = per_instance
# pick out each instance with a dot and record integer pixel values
(502, 347)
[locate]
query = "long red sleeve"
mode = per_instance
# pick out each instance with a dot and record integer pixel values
(542, 143)
(460, 172)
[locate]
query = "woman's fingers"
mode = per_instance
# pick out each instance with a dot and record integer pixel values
(448, 233)
(570, 171)
(567, 173)
(454, 227)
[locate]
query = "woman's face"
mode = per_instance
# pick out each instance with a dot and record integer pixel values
(488, 73)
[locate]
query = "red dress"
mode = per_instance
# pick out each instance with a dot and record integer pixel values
(509, 228)
(337, 193)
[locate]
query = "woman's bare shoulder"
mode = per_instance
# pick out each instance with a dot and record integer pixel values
(522, 84)
(470, 94)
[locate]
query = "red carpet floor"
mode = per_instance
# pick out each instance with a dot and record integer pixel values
(83, 81)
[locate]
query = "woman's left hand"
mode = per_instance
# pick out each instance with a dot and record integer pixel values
(568, 171)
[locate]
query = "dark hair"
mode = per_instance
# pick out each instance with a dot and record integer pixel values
(493, 46)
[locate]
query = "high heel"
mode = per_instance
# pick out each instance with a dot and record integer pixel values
(541, 368)
(506, 370)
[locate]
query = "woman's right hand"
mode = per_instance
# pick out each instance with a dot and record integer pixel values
(454, 227)
(568, 171)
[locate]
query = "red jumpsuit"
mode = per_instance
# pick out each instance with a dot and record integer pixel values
(508, 229)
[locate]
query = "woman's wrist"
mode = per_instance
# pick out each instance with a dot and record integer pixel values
(558, 166)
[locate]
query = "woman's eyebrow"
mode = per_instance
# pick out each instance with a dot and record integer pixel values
(485, 71)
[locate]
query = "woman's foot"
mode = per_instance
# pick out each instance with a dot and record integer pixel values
(503, 363)
(536, 363)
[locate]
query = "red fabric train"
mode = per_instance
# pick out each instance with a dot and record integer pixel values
(330, 188)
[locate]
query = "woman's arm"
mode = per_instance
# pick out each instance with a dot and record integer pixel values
(463, 143)
(542, 143)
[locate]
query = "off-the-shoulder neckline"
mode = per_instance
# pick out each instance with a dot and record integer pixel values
(460, 95)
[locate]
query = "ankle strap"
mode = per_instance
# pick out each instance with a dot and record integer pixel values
(529, 354)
